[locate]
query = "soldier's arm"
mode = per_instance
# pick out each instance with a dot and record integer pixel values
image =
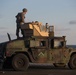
(23, 17)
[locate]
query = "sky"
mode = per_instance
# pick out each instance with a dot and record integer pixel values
(60, 13)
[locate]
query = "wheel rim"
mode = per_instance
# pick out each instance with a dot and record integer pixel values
(20, 63)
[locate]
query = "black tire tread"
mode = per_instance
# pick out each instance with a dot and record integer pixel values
(25, 58)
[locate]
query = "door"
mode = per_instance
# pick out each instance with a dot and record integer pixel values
(40, 55)
(40, 52)
(57, 55)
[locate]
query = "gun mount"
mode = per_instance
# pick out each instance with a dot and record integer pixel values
(37, 29)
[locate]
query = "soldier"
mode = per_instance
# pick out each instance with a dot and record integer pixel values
(20, 21)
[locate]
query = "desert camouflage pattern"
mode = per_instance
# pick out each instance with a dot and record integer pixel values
(40, 54)
(40, 45)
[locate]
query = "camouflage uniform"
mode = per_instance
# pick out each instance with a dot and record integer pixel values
(20, 21)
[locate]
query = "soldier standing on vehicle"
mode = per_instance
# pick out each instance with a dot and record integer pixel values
(20, 21)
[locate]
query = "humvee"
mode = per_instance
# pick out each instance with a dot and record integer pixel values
(39, 45)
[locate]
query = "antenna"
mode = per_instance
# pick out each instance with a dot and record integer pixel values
(9, 36)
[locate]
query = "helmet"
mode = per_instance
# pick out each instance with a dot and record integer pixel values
(24, 10)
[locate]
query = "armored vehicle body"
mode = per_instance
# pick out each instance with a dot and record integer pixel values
(39, 45)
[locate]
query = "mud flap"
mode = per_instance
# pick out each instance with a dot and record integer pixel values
(2, 50)
(1, 64)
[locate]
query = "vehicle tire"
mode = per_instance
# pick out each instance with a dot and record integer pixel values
(72, 62)
(20, 62)
(61, 65)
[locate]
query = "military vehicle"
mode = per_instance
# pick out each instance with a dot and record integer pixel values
(39, 45)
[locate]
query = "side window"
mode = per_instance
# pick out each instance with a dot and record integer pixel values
(63, 43)
(42, 43)
(58, 44)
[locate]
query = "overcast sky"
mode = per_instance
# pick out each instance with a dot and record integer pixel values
(60, 13)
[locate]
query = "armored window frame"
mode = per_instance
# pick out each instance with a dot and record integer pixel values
(43, 43)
